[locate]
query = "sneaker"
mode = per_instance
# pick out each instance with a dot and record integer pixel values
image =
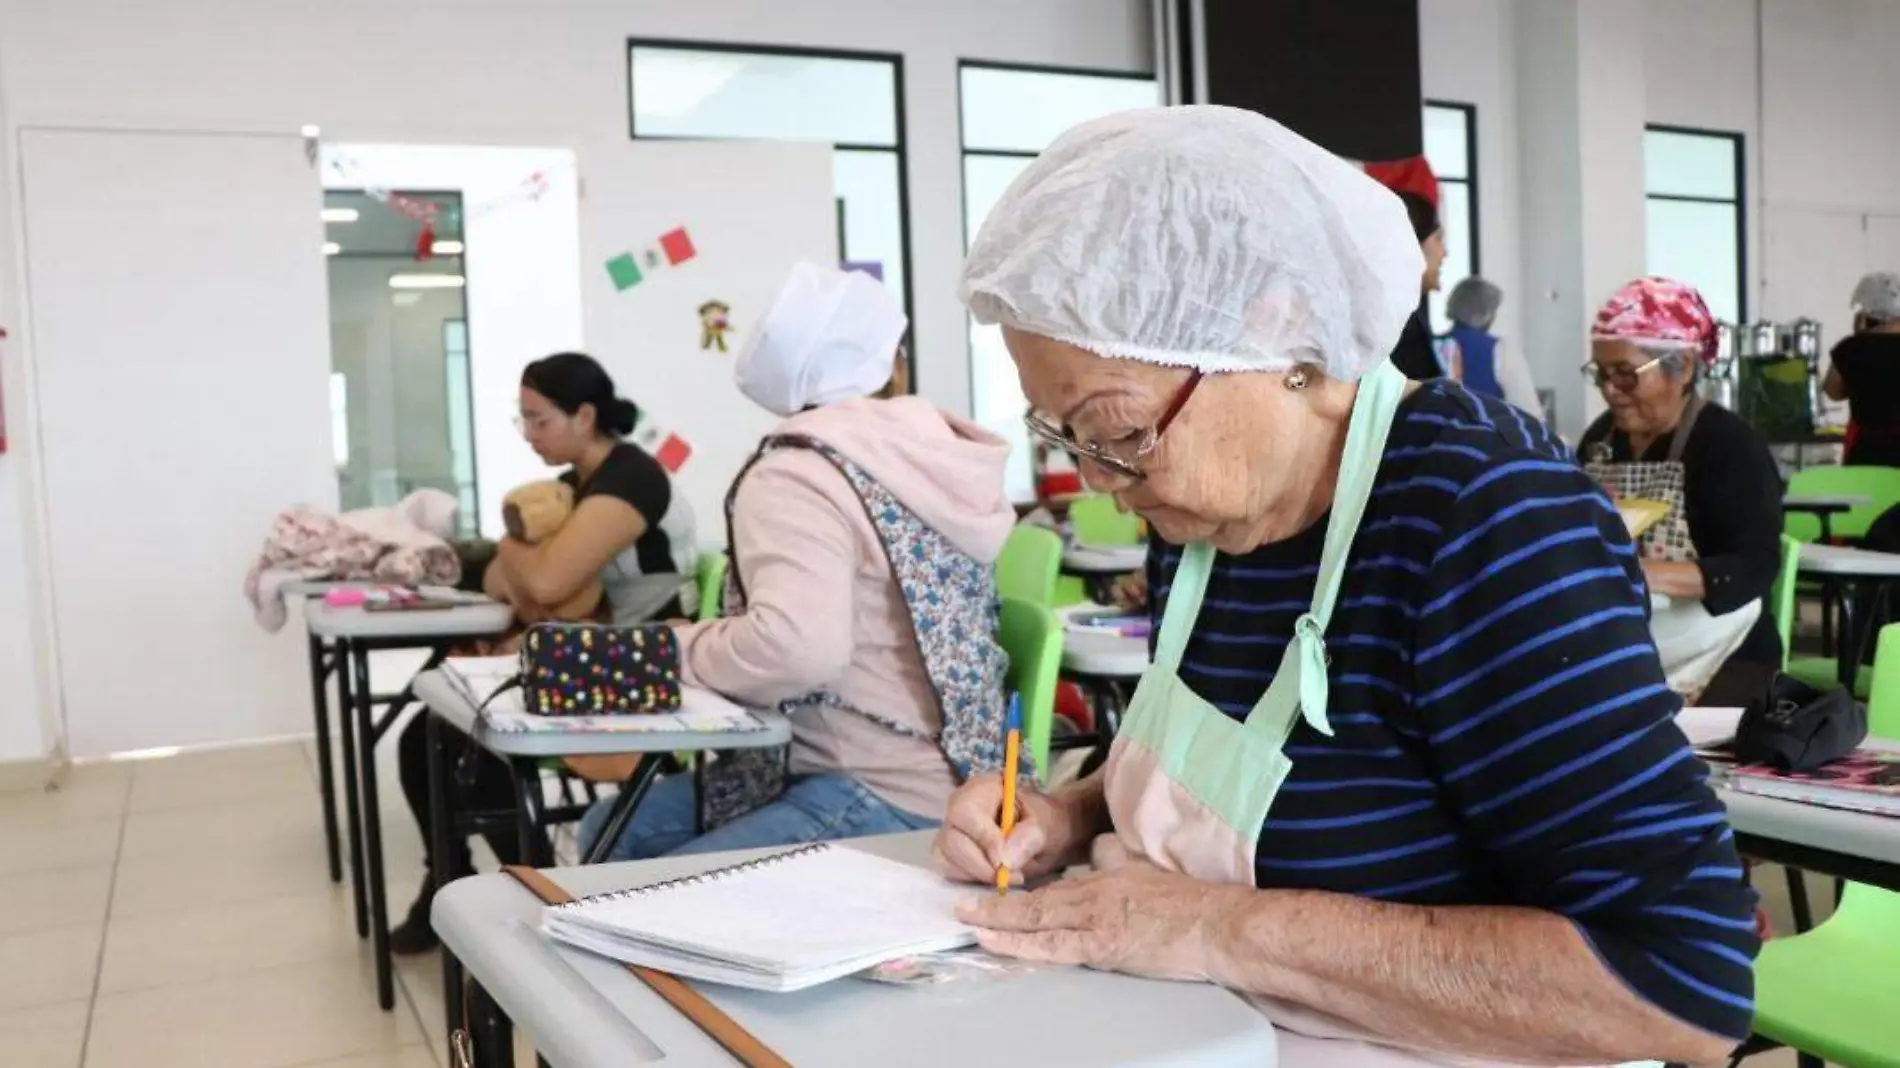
(414, 936)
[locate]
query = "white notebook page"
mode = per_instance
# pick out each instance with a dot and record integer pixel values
(807, 912)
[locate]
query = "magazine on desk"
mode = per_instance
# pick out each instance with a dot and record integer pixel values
(1865, 780)
(487, 683)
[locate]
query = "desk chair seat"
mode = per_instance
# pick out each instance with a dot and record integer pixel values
(1830, 992)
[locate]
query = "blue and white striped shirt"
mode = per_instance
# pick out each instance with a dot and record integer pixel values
(1503, 732)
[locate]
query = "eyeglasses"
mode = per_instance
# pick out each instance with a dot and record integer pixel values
(1121, 456)
(524, 424)
(1623, 377)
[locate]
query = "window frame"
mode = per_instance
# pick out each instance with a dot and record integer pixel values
(966, 153)
(1739, 202)
(900, 145)
(1473, 241)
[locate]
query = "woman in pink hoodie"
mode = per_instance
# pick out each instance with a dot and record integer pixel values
(860, 597)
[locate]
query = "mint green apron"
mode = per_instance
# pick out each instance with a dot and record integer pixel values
(1187, 786)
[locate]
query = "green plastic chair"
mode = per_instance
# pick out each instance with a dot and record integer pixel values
(1094, 520)
(1880, 485)
(1032, 636)
(712, 584)
(1829, 992)
(1028, 566)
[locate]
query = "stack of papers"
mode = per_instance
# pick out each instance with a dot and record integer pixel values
(484, 681)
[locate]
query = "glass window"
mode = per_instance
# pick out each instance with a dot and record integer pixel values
(1693, 185)
(996, 118)
(1009, 115)
(1451, 147)
(852, 100)
(399, 396)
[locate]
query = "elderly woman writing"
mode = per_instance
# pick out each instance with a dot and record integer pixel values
(1404, 771)
(1714, 553)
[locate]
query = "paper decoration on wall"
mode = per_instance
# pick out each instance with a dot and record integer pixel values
(529, 189)
(624, 272)
(677, 246)
(870, 267)
(715, 319)
(3, 406)
(668, 448)
(670, 249)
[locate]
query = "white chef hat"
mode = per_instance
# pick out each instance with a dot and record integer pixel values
(1206, 237)
(831, 335)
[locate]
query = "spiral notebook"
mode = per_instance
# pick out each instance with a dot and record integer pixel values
(783, 922)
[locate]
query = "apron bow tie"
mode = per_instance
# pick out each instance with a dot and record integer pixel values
(1310, 639)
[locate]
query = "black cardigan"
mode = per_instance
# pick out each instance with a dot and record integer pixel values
(1732, 498)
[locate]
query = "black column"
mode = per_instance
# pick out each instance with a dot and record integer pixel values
(1345, 75)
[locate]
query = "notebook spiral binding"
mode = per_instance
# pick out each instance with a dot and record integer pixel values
(703, 877)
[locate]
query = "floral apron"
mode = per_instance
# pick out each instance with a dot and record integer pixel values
(1189, 788)
(1692, 643)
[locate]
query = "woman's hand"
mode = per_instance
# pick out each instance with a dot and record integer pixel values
(1048, 836)
(1126, 916)
(1130, 592)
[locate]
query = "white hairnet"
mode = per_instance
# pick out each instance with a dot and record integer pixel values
(831, 335)
(1878, 295)
(1201, 236)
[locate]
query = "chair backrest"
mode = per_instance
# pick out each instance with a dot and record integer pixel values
(1027, 568)
(1880, 485)
(1781, 597)
(712, 584)
(1032, 636)
(1883, 695)
(1094, 520)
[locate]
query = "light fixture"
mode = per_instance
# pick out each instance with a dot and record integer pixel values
(406, 298)
(331, 248)
(311, 131)
(446, 248)
(425, 281)
(340, 215)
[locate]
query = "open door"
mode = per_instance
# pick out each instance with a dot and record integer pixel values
(676, 236)
(181, 356)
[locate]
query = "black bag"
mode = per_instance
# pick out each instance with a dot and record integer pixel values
(1795, 727)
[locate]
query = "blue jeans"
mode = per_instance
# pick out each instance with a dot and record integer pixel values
(814, 808)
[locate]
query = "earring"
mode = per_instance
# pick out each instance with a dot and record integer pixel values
(1296, 378)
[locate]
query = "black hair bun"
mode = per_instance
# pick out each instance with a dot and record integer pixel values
(619, 417)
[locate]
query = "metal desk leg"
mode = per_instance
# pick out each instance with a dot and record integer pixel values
(489, 1028)
(441, 851)
(1847, 649)
(346, 721)
(326, 776)
(617, 817)
(365, 713)
(536, 850)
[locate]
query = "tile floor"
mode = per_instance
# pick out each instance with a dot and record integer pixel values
(177, 911)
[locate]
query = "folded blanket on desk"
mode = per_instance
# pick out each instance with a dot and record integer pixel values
(405, 545)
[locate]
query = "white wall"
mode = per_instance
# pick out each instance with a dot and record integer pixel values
(27, 715)
(483, 72)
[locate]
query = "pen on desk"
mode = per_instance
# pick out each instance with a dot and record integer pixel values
(1012, 754)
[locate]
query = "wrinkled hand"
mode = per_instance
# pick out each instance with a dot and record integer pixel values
(1130, 592)
(970, 845)
(1126, 916)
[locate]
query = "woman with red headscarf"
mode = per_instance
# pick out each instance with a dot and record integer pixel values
(1716, 549)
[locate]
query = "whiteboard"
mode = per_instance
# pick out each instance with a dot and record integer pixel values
(751, 209)
(181, 348)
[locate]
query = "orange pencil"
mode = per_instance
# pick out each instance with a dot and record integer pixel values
(1012, 756)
